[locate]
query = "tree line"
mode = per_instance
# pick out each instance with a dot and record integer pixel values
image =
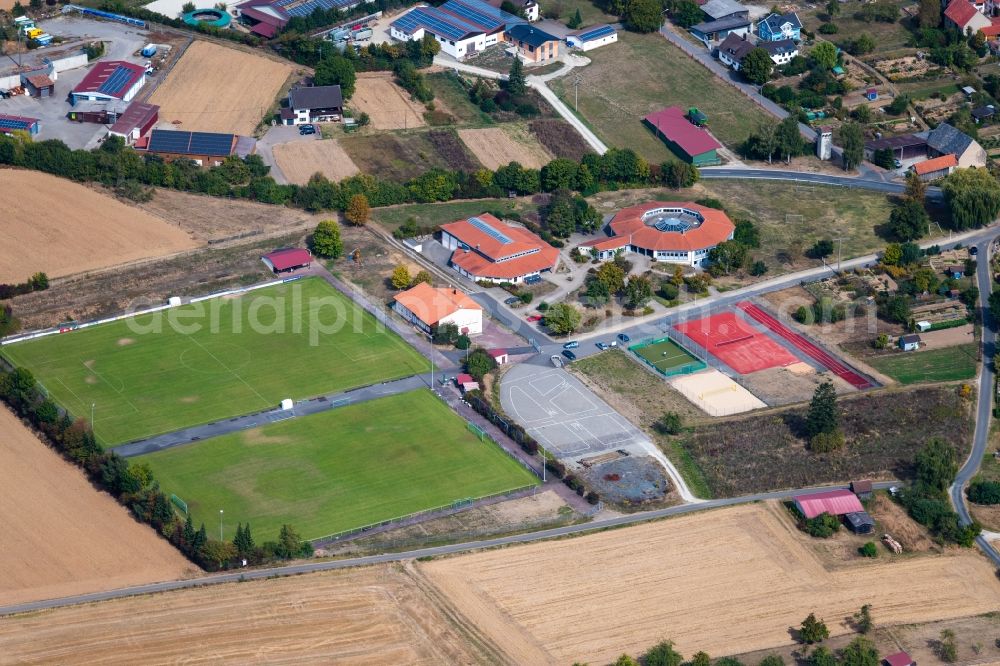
(134, 486)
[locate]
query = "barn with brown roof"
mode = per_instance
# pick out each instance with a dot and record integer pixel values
(668, 231)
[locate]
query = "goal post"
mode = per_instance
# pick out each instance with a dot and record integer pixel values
(477, 431)
(179, 503)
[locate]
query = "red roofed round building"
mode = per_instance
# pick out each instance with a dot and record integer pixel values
(668, 231)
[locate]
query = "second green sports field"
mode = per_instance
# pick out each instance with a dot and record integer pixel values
(216, 359)
(338, 470)
(666, 356)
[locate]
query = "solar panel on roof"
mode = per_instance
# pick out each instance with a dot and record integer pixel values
(116, 82)
(191, 143)
(13, 124)
(490, 231)
(432, 20)
(211, 143)
(597, 33)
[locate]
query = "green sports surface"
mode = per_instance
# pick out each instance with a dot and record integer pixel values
(155, 373)
(337, 470)
(664, 354)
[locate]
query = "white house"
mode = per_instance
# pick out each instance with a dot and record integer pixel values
(313, 104)
(463, 28)
(427, 307)
(781, 51)
(592, 38)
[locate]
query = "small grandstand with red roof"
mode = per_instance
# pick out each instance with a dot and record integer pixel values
(484, 248)
(668, 231)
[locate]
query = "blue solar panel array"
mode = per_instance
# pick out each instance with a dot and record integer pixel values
(14, 124)
(479, 13)
(117, 82)
(490, 231)
(191, 143)
(307, 8)
(596, 33)
(434, 21)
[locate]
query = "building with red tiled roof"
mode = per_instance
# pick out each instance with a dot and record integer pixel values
(962, 15)
(833, 502)
(939, 167)
(484, 248)
(669, 231)
(693, 144)
(427, 307)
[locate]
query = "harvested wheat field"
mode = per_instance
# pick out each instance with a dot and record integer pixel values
(374, 615)
(213, 88)
(299, 160)
(725, 581)
(61, 536)
(497, 146)
(61, 228)
(389, 106)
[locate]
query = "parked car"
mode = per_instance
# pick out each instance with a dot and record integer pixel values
(513, 300)
(973, 250)
(601, 346)
(532, 279)
(307, 129)
(535, 317)
(572, 344)
(623, 337)
(556, 361)
(568, 354)
(897, 164)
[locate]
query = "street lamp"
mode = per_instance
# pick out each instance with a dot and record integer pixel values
(220, 525)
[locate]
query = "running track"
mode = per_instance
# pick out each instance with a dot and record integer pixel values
(806, 347)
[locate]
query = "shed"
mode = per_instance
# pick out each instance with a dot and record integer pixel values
(899, 659)
(860, 522)
(923, 326)
(871, 94)
(40, 85)
(138, 119)
(833, 502)
(499, 355)
(693, 144)
(969, 91)
(863, 489)
(287, 259)
(466, 383)
(909, 342)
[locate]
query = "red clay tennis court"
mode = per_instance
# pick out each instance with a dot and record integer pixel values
(737, 344)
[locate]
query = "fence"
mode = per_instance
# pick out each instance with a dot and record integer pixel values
(685, 369)
(457, 504)
(485, 437)
(159, 308)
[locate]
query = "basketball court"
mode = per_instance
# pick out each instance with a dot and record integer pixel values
(736, 343)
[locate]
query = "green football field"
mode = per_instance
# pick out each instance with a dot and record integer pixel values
(337, 470)
(664, 355)
(216, 359)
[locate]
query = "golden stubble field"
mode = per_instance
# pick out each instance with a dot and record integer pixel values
(388, 106)
(60, 228)
(213, 88)
(725, 581)
(62, 537)
(498, 146)
(299, 160)
(374, 615)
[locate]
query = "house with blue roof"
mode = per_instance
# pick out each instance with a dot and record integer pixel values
(593, 37)
(533, 44)
(463, 28)
(776, 27)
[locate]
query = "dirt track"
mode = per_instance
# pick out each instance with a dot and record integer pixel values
(217, 89)
(362, 616)
(389, 106)
(60, 535)
(725, 581)
(299, 160)
(59, 227)
(497, 146)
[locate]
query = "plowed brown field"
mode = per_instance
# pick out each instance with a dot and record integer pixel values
(498, 146)
(217, 89)
(374, 615)
(59, 227)
(61, 536)
(725, 581)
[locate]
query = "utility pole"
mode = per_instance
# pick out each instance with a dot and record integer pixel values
(220, 525)
(576, 86)
(840, 250)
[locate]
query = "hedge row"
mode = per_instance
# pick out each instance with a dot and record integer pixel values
(37, 282)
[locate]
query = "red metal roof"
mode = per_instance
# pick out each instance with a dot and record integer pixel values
(960, 12)
(497, 353)
(630, 228)
(101, 71)
(898, 659)
(265, 30)
(833, 502)
(288, 257)
(137, 115)
(672, 124)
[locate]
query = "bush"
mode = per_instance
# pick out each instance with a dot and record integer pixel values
(826, 442)
(462, 342)
(670, 423)
(822, 526)
(829, 29)
(984, 492)
(868, 550)
(592, 497)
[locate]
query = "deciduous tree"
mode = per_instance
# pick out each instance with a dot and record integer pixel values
(326, 241)
(973, 197)
(852, 141)
(562, 318)
(358, 211)
(757, 66)
(400, 277)
(909, 220)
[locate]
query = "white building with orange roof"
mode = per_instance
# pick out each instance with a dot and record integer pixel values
(668, 231)
(428, 307)
(484, 248)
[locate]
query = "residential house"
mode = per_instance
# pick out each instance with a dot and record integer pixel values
(945, 139)
(981, 113)
(965, 17)
(776, 27)
(712, 31)
(533, 44)
(909, 342)
(935, 168)
(313, 104)
(733, 49)
(781, 51)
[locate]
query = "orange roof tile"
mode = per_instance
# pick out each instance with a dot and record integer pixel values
(936, 164)
(498, 250)
(432, 304)
(960, 12)
(629, 227)
(481, 267)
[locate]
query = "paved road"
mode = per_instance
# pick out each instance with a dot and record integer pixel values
(815, 179)
(302, 408)
(310, 567)
(984, 409)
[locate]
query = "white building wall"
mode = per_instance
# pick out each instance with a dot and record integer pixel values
(69, 62)
(465, 319)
